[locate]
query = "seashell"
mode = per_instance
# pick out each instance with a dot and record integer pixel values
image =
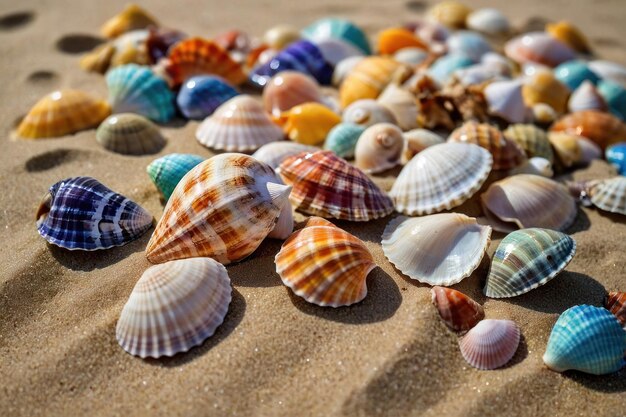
(498, 62)
(80, 213)
(588, 150)
(61, 113)
(444, 67)
(325, 265)
(379, 148)
(411, 56)
(130, 134)
(543, 87)
(523, 201)
(344, 68)
(328, 186)
(367, 112)
(394, 39)
(457, 310)
(280, 36)
(236, 42)
(616, 156)
(543, 114)
(527, 259)
(240, 124)
(174, 307)
(288, 89)
(99, 59)
(417, 140)
(470, 44)
(478, 74)
(609, 195)
(608, 70)
(566, 147)
(453, 255)
(342, 139)
(535, 166)
(131, 18)
(569, 35)
(533, 140)
(490, 21)
(130, 48)
(530, 69)
(440, 177)
(538, 47)
(402, 105)
(135, 89)
(274, 153)
(334, 28)
(222, 209)
(615, 302)
(602, 128)
(167, 171)
(574, 73)
(506, 153)
(160, 41)
(432, 32)
(490, 344)
(336, 50)
(615, 96)
(449, 13)
(586, 97)
(308, 123)
(587, 339)
(505, 100)
(200, 96)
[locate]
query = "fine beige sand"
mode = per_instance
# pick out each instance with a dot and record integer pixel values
(275, 355)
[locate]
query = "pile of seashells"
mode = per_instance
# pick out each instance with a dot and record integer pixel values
(461, 100)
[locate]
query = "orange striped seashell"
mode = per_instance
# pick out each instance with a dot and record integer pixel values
(602, 128)
(131, 18)
(61, 113)
(325, 265)
(615, 302)
(288, 89)
(197, 56)
(394, 39)
(506, 153)
(457, 310)
(222, 209)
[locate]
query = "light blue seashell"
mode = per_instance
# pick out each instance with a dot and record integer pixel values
(136, 89)
(615, 96)
(200, 96)
(616, 155)
(467, 43)
(443, 68)
(342, 139)
(588, 339)
(335, 28)
(573, 73)
(166, 172)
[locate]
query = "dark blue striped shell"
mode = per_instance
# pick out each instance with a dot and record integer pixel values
(302, 56)
(82, 214)
(200, 96)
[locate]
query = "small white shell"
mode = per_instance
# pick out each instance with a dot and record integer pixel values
(343, 68)
(505, 100)
(378, 148)
(411, 56)
(402, 105)
(490, 344)
(478, 74)
(367, 112)
(276, 152)
(489, 21)
(586, 97)
(535, 166)
(417, 140)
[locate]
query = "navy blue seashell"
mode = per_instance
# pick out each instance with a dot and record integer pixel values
(200, 96)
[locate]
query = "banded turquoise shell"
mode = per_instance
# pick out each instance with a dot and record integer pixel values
(527, 259)
(616, 156)
(334, 28)
(136, 89)
(615, 96)
(588, 339)
(342, 139)
(200, 96)
(574, 73)
(443, 68)
(167, 171)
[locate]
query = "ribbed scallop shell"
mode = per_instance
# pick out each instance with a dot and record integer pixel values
(569, 35)
(240, 124)
(457, 310)
(528, 201)
(402, 105)
(490, 344)
(274, 153)
(328, 186)
(532, 139)
(308, 123)
(61, 113)
(379, 148)
(543, 87)
(174, 307)
(288, 89)
(453, 255)
(609, 195)
(505, 100)
(131, 18)
(130, 134)
(325, 265)
(538, 47)
(449, 13)
(602, 128)
(417, 140)
(222, 209)
(440, 177)
(200, 96)
(527, 259)
(342, 139)
(394, 39)
(588, 339)
(82, 214)
(334, 28)
(367, 112)
(167, 171)
(489, 21)
(615, 302)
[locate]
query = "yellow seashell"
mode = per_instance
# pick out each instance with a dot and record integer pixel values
(543, 87)
(570, 35)
(392, 40)
(449, 13)
(131, 18)
(308, 123)
(566, 147)
(99, 59)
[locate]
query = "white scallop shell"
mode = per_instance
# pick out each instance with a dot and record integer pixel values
(402, 105)
(505, 100)
(535, 166)
(490, 344)
(367, 112)
(586, 97)
(489, 21)
(276, 152)
(379, 148)
(417, 140)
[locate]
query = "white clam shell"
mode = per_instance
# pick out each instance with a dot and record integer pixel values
(586, 97)
(402, 105)
(276, 152)
(367, 112)
(490, 21)
(379, 148)
(417, 140)
(505, 100)
(490, 344)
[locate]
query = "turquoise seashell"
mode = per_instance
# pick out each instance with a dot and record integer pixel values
(616, 156)
(136, 89)
(468, 43)
(615, 96)
(166, 172)
(527, 259)
(573, 73)
(342, 139)
(588, 339)
(443, 68)
(341, 29)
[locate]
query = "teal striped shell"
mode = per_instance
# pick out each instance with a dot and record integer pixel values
(334, 28)
(166, 172)
(136, 89)
(588, 339)
(342, 139)
(527, 259)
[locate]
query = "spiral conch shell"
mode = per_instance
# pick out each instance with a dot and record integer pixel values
(379, 148)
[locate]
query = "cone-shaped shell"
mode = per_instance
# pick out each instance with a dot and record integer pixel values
(274, 153)
(602, 128)
(569, 35)
(288, 89)
(131, 18)
(417, 140)
(367, 112)
(334, 28)
(587, 339)
(200, 96)
(615, 302)
(328, 186)
(616, 156)
(505, 100)
(99, 59)
(393, 39)
(538, 47)
(82, 214)
(440, 177)
(533, 140)
(527, 259)
(240, 124)
(460, 245)
(450, 13)
(457, 310)
(174, 307)
(543, 87)
(308, 123)
(130, 134)
(490, 344)
(342, 139)
(222, 209)
(609, 195)
(325, 265)
(379, 148)
(402, 105)
(586, 97)
(61, 113)
(490, 21)
(167, 171)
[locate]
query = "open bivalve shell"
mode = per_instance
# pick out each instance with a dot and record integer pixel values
(490, 344)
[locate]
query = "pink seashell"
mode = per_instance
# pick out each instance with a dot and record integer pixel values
(490, 344)
(538, 47)
(288, 89)
(586, 97)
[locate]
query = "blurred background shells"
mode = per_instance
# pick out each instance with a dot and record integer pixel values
(379, 148)
(443, 68)
(616, 156)
(308, 123)
(167, 171)
(490, 344)
(489, 21)
(586, 97)
(280, 36)
(130, 134)
(335, 28)
(132, 17)
(459, 312)
(343, 68)
(471, 44)
(402, 104)
(394, 39)
(367, 112)
(615, 302)
(274, 153)
(288, 89)
(129, 48)
(336, 50)
(615, 96)
(450, 13)
(573, 73)
(200, 96)
(342, 139)
(569, 35)
(160, 41)
(602, 128)
(532, 139)
(538, 47)
(608, 70)
(543, 87)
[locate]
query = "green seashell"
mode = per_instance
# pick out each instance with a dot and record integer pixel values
(342, 139)
(334, 28)
(167, 171)
(532, 139)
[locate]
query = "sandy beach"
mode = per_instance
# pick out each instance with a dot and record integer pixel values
(275, 354)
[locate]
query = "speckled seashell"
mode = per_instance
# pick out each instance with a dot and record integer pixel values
(538, 47)
(131, 18)
(308, 123)
(615, 302)
(167, 171)
(602, 128)
(222, 209)
(82, 214)
(379, 148)
(274, 153)
(335, 28)
(456, 252)
(440, 177)
(344, 68)
(328, 186)
(543, 114)
(616, 156)
(450, 13)
(280, 36)
(490, 344)
(342, 139)
(615, 96)
(543, 87)
(532, 139)
(535, 166)
(394, 39)
(288, 89)
(527, 259)
(411, 56)
(367, 112)
(569, 35)
(402, 105)
(174, 307)
(470, 44)
(200, 96)
(609, 71)
(588, 339)
(505, 100)
(457, 310)
(609, 195)
(490, 21)
(566, 147)
(417, 140)
(523, 201)
(130, 134)
(586, 97)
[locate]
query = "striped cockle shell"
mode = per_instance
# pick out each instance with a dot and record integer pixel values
(602, 128)
(327, 186)
(379, 148)
(586, 97)
(440, 177)
(174, 307)
(274, 153)
(527, 259)
(609, 195)
(367, 112)
(130, 134)
(167, 171)
(131, 18)
(456, 252)
(532, 139)
(222, 209)
(417, 140)
(325, 265)
(402, 105)
(615, 302)
(342, 139)
(490, 344)
(308, 123)
(457, 310)
(538, 47)
(288, 89)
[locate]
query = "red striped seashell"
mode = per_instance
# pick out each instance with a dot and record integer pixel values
(615, 302)
(602, 128)
(457, 310)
